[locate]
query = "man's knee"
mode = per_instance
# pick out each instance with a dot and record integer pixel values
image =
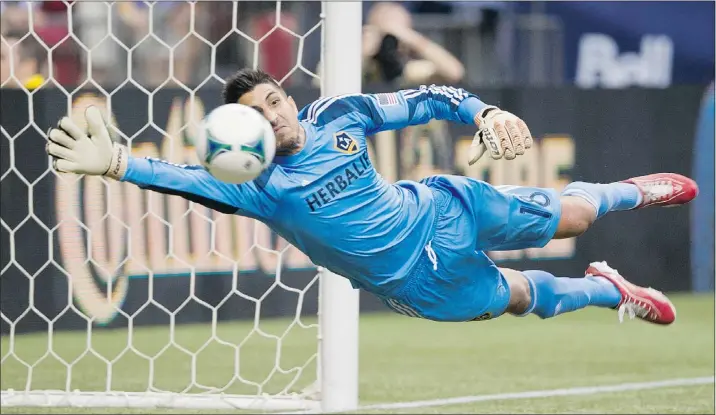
(577, 216)
(520, 296)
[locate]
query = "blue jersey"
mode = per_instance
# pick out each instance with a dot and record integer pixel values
(328, 200)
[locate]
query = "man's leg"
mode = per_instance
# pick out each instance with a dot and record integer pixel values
(541, 293)
(583, 203)
(515, 217)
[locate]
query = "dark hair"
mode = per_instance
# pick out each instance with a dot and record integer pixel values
(245, 80)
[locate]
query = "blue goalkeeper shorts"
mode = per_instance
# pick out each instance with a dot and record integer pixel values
(454, 280)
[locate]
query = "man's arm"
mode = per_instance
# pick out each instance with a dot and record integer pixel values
(433, 62)
(390, 111)
(444, 66)
(499, 132)
(196, 184)
(419, 106)
(94, 154)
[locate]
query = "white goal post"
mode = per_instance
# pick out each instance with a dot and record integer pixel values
(339, 302)
(47, 365)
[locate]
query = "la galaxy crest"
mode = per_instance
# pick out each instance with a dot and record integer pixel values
(343, 142)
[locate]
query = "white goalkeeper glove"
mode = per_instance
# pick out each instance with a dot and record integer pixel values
(501, 133)
(74, 151)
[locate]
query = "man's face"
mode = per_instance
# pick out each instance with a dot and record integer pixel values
(280, 111)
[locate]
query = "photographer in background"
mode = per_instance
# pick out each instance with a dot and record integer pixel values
(394, 52)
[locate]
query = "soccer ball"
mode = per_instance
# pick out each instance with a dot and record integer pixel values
(235, 143)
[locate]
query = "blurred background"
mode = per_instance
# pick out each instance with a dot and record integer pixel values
(485, 43)
(610, 90)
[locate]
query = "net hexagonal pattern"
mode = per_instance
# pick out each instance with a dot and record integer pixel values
(125, 297)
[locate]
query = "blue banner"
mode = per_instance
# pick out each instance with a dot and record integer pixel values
(645, 44)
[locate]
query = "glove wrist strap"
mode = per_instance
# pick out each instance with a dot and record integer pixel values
(480, 117)
(119, 162)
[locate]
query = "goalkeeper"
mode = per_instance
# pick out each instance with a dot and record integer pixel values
(418, 246)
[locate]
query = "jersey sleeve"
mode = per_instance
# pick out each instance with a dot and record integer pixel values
(196, 184)
(389, 111)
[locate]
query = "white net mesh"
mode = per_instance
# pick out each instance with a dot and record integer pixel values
(125, 297)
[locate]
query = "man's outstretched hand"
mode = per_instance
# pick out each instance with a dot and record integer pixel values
(500, 133)
(74, 151)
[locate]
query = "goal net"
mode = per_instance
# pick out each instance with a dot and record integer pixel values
(113, 296)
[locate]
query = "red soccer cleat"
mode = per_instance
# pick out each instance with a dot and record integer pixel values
(664, 189)
(646, 303)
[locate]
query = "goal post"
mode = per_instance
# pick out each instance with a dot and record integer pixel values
(338, 300)
(105, 242)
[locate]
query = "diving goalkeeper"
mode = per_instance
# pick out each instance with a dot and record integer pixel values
(418, 246)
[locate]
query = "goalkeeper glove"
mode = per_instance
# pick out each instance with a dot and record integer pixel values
(500, 132)
(73, 151)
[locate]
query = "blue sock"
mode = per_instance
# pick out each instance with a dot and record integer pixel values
(606, 197)
(552, 295)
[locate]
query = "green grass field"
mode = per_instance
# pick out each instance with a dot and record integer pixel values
(403, 359)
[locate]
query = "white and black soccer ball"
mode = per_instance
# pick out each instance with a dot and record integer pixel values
(235, 143)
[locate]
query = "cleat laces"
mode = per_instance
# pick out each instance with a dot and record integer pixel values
(657, 190)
